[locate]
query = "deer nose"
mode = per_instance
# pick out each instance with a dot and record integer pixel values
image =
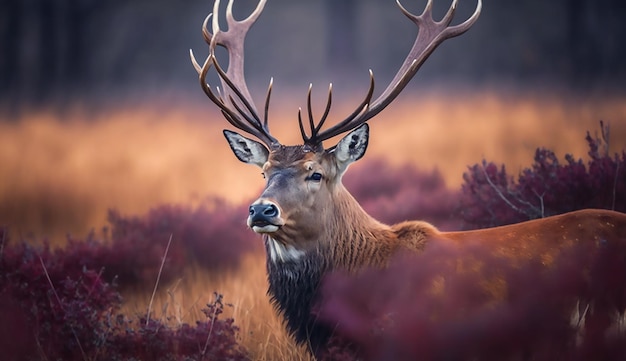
(262, 213)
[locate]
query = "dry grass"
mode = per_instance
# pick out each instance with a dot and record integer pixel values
(261, 330)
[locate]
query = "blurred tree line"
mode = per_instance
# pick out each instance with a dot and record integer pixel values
(57, 51)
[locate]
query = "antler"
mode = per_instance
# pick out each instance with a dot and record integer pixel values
(431, 33)
(235, 91)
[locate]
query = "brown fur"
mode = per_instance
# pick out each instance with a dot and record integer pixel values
(545, 238)
(360, 241)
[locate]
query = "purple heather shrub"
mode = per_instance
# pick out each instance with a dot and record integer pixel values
(58, 307)
(213, 237)
(139, 244)
(399, 193)
(211, 339)
(468, 303)
(491, 197)
(53, 307)
(219, 236)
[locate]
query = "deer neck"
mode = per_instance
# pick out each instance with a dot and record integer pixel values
(348, 243)
(355, 239)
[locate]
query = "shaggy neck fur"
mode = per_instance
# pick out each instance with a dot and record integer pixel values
(350, 241)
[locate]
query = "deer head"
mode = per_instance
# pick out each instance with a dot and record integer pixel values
(304, 201)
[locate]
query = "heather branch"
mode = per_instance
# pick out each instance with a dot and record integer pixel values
(502, 196)
(533, 211)
(218, 302)
(105, 335)
(540, 196)
(56, 295)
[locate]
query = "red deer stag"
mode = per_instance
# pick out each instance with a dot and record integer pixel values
(310, 223)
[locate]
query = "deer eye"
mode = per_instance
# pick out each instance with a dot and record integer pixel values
(316, 177)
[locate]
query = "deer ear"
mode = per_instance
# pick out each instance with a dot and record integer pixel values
(247, 150)
(352, 147)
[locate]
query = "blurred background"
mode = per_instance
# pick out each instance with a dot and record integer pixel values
(100, 107)
(60, 51)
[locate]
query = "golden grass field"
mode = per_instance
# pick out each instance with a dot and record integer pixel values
(261, 331)
(61, 173)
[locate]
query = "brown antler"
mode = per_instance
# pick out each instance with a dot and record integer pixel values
(431, 33)
(235, 91)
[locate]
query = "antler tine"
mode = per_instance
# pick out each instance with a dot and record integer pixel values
(236, 102)
(207, 37)
(206, 34)
(310, 110)
(327, 110)
(267, 105)
(431, 33)
(312, 140)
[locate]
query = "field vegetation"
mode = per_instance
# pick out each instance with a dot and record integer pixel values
(123, 233)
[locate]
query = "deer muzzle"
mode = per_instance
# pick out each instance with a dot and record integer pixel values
(264, 217)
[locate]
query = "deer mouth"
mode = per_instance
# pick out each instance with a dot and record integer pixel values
(264, 227)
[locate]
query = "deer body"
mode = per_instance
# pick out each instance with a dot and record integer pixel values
(310, 223)
(351, 240)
